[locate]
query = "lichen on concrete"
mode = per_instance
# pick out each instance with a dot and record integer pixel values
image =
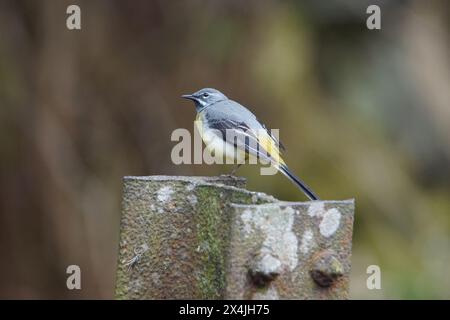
(279, 240)
(293, 226)
(164, 193)
(330, 222)
(307, 242)
(316, 209)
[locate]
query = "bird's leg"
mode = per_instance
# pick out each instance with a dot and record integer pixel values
(236, 167)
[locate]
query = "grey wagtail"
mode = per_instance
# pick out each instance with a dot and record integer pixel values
(216, 114)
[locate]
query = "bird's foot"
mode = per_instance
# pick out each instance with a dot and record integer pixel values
(233, 172)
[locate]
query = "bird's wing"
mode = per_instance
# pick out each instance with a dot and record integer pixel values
(255, 141)
(277, 141)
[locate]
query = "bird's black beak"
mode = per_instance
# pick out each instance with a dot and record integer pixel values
(189, 97)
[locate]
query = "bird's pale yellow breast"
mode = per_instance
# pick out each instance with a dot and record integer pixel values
(215, 144)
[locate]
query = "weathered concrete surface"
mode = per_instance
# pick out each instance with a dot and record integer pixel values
(177, 230)
(208, 238)
(301, 250)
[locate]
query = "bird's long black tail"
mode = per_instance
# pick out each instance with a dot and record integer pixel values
(299, 183)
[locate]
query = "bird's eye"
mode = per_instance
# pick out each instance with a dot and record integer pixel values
(206, 95)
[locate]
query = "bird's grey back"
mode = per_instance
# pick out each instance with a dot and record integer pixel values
(231, 110)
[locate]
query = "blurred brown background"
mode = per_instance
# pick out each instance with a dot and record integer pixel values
(364, 114)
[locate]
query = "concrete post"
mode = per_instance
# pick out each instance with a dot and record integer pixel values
(209, 238)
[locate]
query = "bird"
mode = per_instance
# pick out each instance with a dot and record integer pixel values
(216, 114)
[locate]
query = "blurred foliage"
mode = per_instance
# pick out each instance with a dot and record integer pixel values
(364, 114)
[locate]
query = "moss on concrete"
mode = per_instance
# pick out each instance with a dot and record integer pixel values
(213, 233)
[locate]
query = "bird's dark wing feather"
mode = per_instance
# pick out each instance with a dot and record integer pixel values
(240, 135)
(277, 141)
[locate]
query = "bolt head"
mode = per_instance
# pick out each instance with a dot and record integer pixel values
(265, 269)
(326, 269)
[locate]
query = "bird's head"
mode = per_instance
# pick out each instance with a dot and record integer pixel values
(205, 97)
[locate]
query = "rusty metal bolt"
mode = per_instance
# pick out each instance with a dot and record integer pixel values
(264, 270)
(326, 269)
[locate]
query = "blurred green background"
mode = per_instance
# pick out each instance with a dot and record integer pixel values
(364, 114)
